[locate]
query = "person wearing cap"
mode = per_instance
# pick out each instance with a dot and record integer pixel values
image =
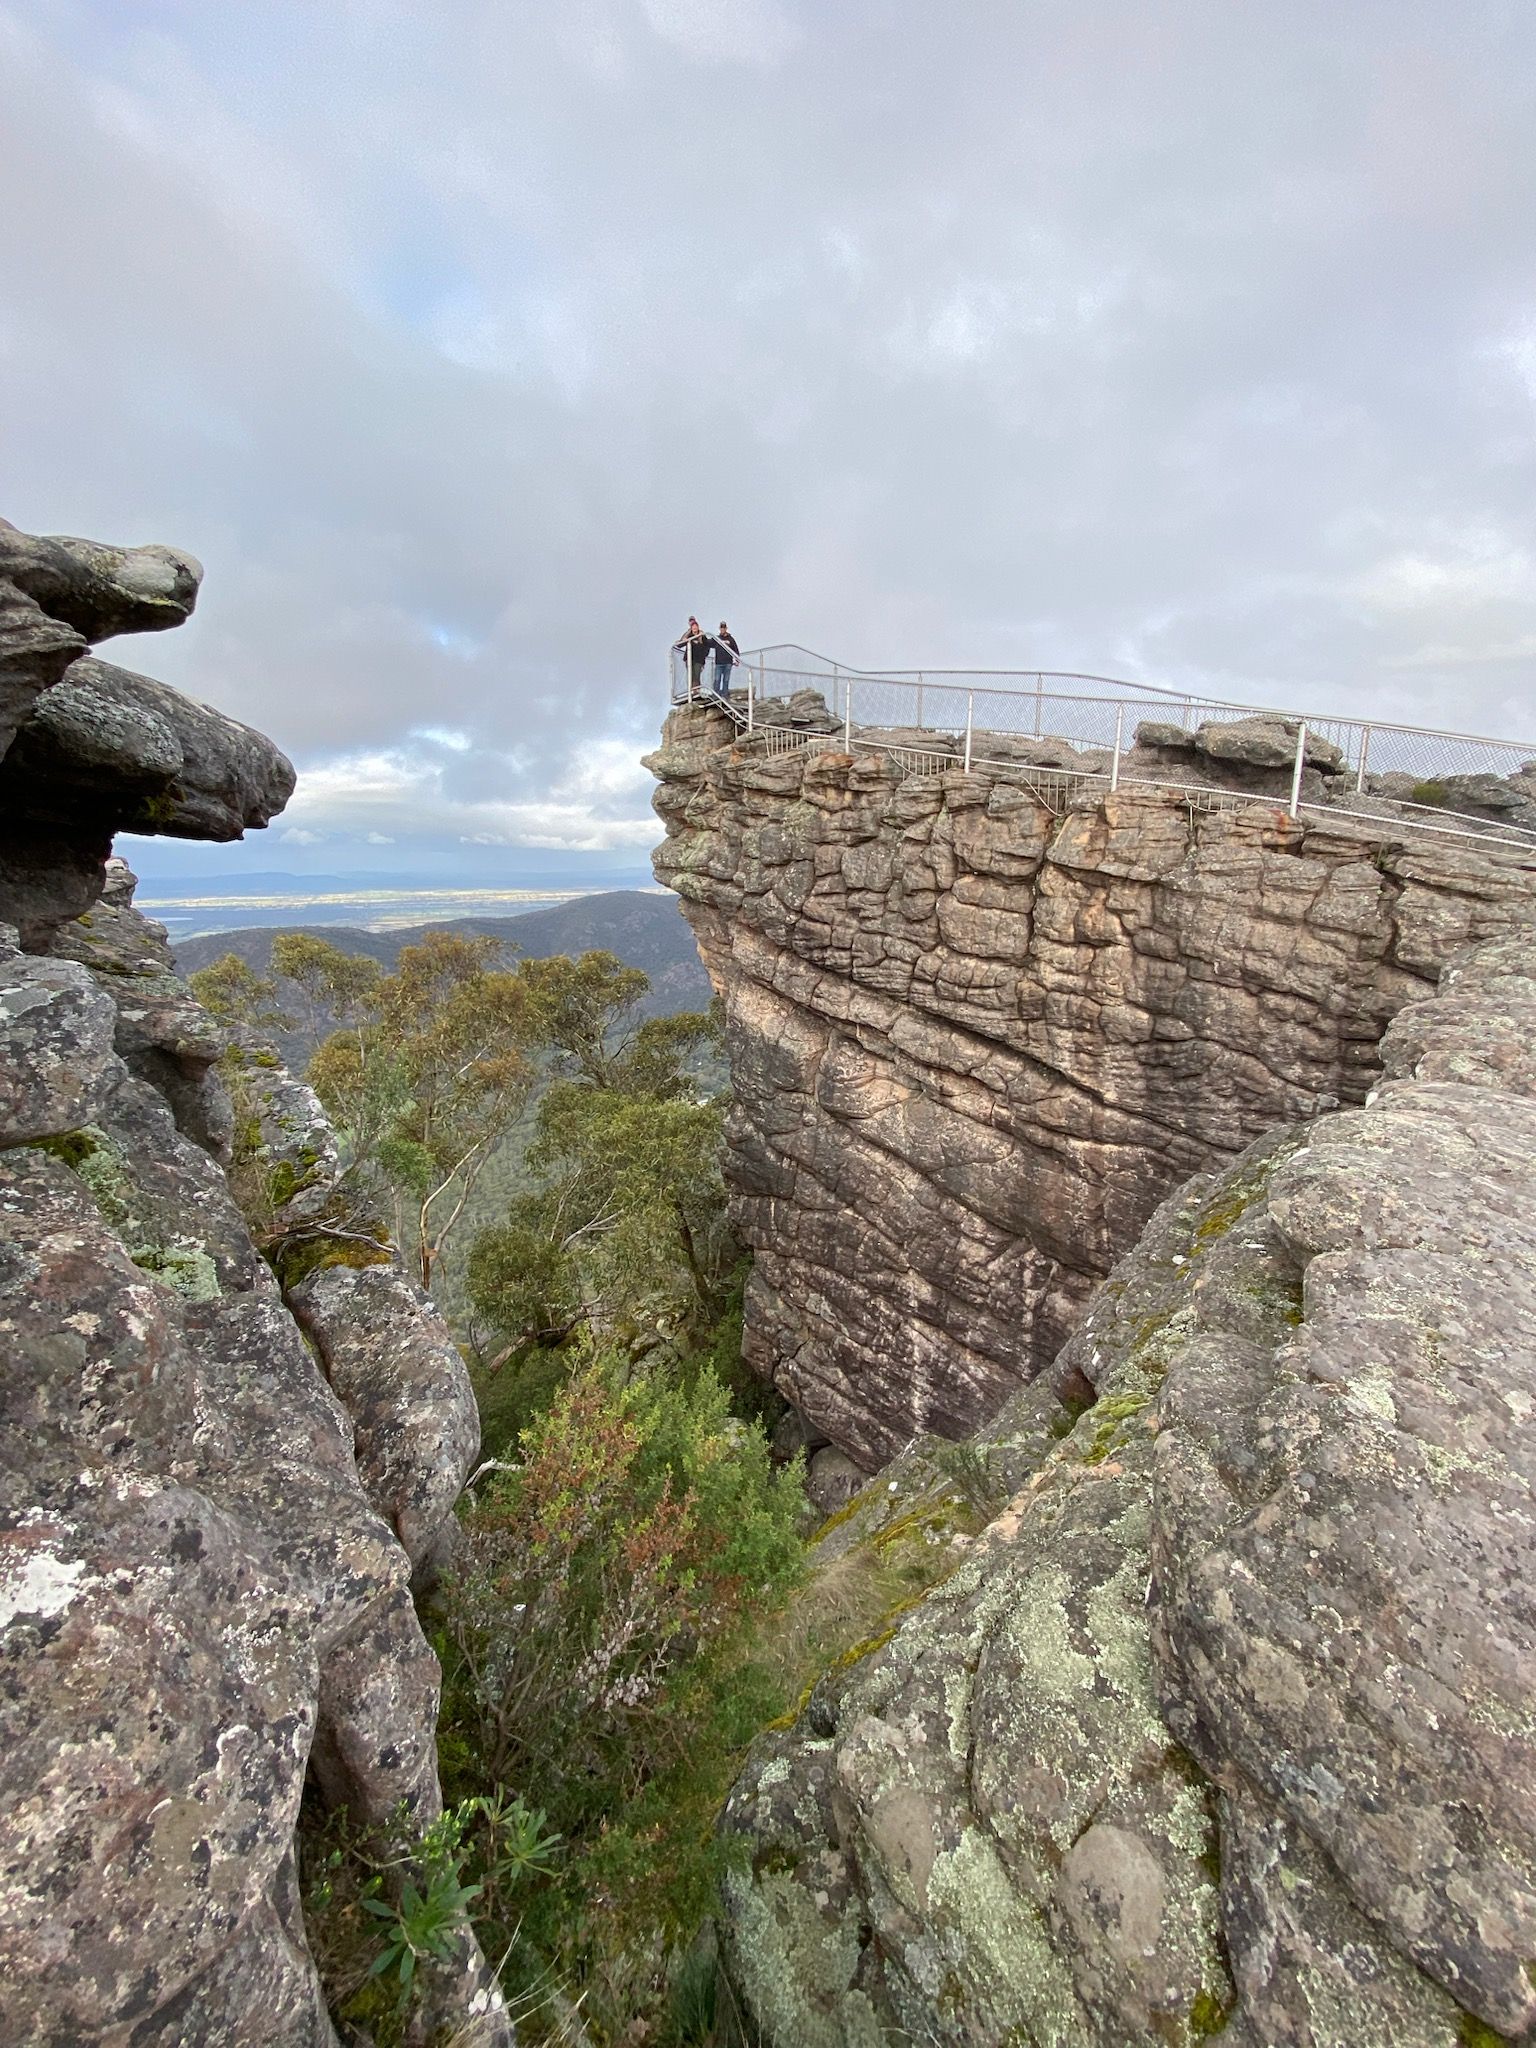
(727, 654)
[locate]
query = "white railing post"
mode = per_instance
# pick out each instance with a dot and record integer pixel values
(919, 703)
(1365, 748)
(848, 714)
(1039, 688)
(1301, 762)
(970, 710)
(1114, 766)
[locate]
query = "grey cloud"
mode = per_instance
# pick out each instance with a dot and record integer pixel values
(471, 348)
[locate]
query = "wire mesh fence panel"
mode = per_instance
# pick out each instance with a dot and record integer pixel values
(1399, 750)
(899, 706)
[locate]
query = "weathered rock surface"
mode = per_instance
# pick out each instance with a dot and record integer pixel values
(117, 747)
(831, 1479)
(54, 1069)
(204, 1592)
(98, 590)
(389, 1355)
(978, 1033)
(1223, 1728)
(162, 1033)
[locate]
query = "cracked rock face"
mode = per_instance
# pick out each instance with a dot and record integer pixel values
(1223, 1727)
(207, 1532)
(976, 1039)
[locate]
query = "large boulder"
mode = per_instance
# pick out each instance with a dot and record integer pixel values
(1264, 742)
(162, 1033)
(106, 744)
(56, 1064)
(390, 1356)
(97, 589)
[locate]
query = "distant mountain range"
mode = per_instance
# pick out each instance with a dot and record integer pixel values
(537, 871)
(645, 931)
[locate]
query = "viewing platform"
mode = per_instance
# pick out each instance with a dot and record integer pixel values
(1068, 733)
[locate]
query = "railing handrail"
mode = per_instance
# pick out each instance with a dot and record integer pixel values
(931, 678)
(910, 675)
(1509, 838)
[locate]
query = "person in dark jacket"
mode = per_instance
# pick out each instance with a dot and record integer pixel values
(694, 643)
(727, 654)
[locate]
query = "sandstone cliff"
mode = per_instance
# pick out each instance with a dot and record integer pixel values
(977, 1036)
(210, 1523)
(1224, 1726)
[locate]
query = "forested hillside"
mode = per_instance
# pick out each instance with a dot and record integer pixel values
(644, 930)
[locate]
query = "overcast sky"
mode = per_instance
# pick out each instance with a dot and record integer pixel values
(471, 344)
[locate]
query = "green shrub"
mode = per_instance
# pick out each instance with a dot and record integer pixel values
(597, 1657)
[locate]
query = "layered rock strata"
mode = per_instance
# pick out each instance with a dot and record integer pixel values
(207, 1527)
(1223, 1727)
(978, 1031)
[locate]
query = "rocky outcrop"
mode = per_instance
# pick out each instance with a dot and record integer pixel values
(58, 596)
(207, 1530)
(1223, 1727)
(980, 1027)
(87, 749)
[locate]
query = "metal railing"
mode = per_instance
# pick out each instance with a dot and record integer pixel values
(927, 720)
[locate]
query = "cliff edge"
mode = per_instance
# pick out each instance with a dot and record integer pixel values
(979, 1032)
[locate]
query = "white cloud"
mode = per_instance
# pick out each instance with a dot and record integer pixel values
(1466, 571)
(724, 31)
(443, 736)
(1517, 653)
(296, 835)
(391, 795)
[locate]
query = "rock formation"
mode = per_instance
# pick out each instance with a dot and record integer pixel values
(210, 1527)
(1223, 1728)
(979, 1032)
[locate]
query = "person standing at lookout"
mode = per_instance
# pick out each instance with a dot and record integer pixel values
(727, 654)
(694, 644)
